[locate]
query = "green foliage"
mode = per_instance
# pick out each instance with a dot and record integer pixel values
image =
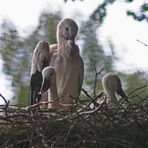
(8, 38)
(129, 1)
(93, 54)
(23, 95)
(135, 81)
(142, 15)
(46, 29)
(101, 11)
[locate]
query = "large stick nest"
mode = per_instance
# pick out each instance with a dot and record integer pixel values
(125, 126)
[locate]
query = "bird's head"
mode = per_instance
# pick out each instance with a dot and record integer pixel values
(49, 78)
(41, 55)
(67, 29)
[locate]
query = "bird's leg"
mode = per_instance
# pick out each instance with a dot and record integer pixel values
(32, 97)
(39, 96)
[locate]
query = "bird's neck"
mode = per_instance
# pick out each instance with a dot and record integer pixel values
(111, 96)
(67, 47)
(53, 95)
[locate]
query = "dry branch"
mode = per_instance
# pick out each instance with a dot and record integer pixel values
(142, 43)
(124, 127)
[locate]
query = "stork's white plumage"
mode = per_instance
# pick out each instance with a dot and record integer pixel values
(112, 85)
(67, 62)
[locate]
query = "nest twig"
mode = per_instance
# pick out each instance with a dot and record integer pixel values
(25, 127)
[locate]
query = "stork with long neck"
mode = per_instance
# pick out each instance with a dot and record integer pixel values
(112, 85)
(40, 59)
(67, 62)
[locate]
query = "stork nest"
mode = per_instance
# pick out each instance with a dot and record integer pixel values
(125, 126)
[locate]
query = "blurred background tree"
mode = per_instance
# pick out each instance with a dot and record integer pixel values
(17, 51)
(101, 11)
(136, 81)
(93, 55)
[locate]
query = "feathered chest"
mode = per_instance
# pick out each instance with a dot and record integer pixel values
(65, 68)
(63, 65)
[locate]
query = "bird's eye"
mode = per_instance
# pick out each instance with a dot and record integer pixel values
(66, 28)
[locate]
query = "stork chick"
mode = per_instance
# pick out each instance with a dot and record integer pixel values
(40, 59)
(112, 85)
(49, 83)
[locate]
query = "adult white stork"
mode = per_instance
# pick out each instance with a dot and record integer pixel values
(112, 85)
(40, 59)
(67, 62)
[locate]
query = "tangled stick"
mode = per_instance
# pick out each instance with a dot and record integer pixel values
(124, 127)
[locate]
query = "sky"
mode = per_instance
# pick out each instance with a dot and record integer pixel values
(122, 30)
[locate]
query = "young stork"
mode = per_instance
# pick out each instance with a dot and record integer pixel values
(112, 86)
(49, 83)
(40, 59)
(67, 62)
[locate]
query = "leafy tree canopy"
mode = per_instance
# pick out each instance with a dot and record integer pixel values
(17, 51)
(101, 11)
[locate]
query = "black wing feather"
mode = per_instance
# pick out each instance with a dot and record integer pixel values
(35, 86)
